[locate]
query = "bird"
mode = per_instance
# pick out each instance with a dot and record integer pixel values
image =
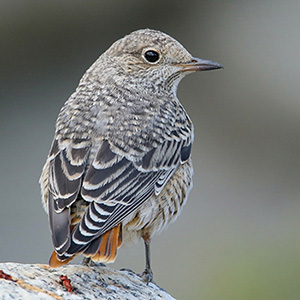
(119, 168)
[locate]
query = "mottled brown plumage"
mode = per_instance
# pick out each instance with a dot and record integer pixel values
(119, 168)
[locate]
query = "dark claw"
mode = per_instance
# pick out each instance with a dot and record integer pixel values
(147, 276)
(87, 261)
(127, 270)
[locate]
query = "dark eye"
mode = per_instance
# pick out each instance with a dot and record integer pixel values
(151, 56)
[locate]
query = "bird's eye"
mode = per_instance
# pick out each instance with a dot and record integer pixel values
(151, 56)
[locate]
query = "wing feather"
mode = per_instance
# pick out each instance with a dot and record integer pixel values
(66, 168)
(114, 184)
(118, 189)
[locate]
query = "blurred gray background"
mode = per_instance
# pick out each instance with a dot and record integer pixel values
(238, 236)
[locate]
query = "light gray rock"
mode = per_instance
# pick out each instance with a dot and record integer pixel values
(38, 281)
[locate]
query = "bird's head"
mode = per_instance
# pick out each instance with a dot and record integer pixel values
(155, 60)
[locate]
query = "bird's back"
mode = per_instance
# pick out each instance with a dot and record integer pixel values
(122, 161)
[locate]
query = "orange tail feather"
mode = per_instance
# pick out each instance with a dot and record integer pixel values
(54, 262)
(107, 252)
(111, 241)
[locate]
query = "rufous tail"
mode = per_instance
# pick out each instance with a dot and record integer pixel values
(111, 241)
(107, 251)
(54, 262)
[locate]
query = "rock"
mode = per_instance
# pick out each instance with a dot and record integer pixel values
(36, 281)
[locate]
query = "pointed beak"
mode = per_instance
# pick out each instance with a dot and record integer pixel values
(198, 64)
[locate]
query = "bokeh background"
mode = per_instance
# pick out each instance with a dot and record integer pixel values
(238, 236)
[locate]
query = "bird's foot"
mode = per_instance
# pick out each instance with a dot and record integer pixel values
(87, 261)
(147, 276)
(127, 270)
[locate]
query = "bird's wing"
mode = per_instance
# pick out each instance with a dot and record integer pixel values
(116, 185)
(67, 162)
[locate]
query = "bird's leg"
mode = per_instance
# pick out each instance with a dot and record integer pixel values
(147, 275)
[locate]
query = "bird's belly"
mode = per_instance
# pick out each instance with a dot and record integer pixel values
(159, 211)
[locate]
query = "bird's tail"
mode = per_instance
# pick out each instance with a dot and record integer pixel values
(54, 262)
(110, 242)
(106, 251)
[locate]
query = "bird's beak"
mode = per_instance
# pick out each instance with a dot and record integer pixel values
(198, 64)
